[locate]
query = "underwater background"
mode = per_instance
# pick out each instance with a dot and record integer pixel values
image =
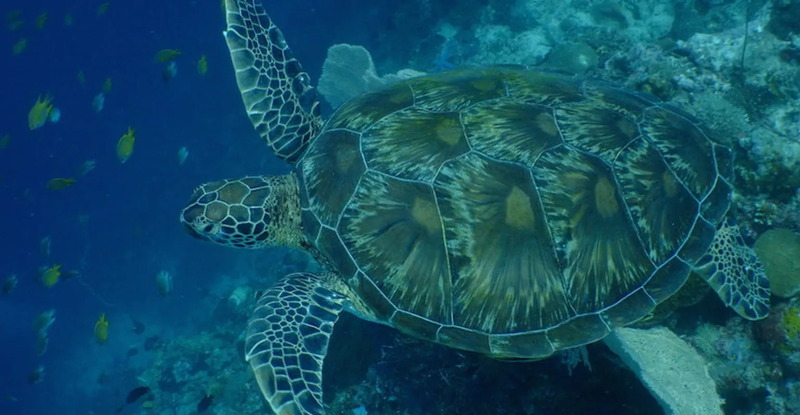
(109, 306)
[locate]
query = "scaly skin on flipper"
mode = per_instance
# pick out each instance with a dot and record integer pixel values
(287, 339)
(265, 70)
(732, 269)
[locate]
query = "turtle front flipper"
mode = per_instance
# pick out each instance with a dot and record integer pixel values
(287, 339)
(733, 270)
(278, 96)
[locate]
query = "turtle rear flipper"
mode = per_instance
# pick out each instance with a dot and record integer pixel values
(733, 270)
(278, 96)
(287, 339)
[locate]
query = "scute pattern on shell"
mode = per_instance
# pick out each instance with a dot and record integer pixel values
(509, 211)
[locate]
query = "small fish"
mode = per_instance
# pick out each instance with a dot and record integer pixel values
(9, 284)
(68, 20)
(10, 398)
(43, 321)
(164, 283)
(36, 375)
(70, 274)
(4, 140)
(166, 55)
(20, 46)
(132, 351)
(86, 167)
(202, 65)
(50, 276)
(101, 329)
(183, 152)
(41, 343)
(103, 9)
(151, 342)
(39, 112)
(41, 20)
(54, 116)
(125, 145)
(137, 326)
(98, 102)
(170, 71)
(204, 403)
(12, 15)
(14, 19)
(81, 77)
(15, 25)
(134, 395)
(107, 85)
(45, 247)
(60, 183)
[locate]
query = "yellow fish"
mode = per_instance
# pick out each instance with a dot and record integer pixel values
(107, 85)
(50, 276)
(38, 114)
(15, 25)
(125, 145)
(166, 55)
(13, 15)
(202, 65)
(101, 329)
(19, 46)
(102, 9)
(41, 20)
(60, 183)
(14, 19)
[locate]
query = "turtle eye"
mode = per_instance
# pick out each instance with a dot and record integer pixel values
(211, 229)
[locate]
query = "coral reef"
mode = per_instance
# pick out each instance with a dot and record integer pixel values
(779, 334)
(349, 71)
(675, 373)
(779, 251)
(187, 368)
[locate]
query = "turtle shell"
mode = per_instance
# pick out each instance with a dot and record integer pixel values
(512, 212)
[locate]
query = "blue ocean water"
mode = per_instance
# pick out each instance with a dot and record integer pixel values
(117, 226)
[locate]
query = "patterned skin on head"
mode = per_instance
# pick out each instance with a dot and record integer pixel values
(251, 212)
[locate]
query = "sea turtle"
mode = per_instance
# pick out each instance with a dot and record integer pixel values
(500, 210)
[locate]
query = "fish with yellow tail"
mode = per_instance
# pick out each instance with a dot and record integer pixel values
(202, 65)
(51, 275)
(36, 375)
(103, 9)
(101, 329)
(40, 112)
(166, 55)
(20, 46)
(41, 20)
(60, 183)
(125, 145)
(9, 284)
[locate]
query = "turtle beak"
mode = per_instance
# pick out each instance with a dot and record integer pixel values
(189, 217)
(190, 229)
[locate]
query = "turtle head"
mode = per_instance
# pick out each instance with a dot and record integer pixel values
(250, 212)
